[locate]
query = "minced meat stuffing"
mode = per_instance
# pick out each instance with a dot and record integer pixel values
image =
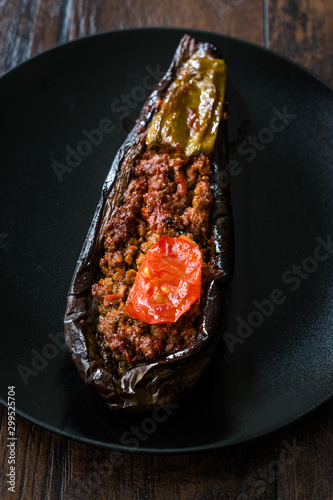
(166, 195)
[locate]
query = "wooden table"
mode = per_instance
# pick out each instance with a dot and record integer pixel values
(51, 467)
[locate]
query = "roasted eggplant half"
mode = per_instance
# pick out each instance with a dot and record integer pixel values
(148, 299)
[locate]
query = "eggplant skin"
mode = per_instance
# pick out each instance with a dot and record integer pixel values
(162, 381)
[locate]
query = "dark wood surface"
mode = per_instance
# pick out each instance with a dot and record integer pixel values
(51, 467)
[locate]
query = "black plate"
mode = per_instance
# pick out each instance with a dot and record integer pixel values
(283, 205)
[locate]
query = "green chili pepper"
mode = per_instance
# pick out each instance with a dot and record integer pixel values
(190, 113)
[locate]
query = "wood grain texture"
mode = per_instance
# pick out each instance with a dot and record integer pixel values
(28, 27)
(311, 476)
(294, 463)
(220, 16)
(303, 31)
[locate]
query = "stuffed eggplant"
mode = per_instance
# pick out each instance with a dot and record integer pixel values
(148, 298)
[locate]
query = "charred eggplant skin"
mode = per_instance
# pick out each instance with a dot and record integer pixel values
(162, 381)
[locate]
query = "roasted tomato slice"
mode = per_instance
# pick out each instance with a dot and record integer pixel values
(168, 281)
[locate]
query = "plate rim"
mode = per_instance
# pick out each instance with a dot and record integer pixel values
(181, 31)
(141, 450)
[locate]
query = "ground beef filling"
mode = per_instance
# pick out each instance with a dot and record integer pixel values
(166, 195)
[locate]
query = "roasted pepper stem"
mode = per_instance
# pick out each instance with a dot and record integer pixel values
(191, 111)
